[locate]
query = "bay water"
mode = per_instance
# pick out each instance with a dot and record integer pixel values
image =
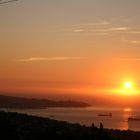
(87, 116)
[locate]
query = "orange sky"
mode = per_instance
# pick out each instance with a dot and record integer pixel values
(73, 47)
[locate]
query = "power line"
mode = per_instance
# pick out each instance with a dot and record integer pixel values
(9, 1)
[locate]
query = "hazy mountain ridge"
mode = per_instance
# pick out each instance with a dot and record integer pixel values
(21, 102)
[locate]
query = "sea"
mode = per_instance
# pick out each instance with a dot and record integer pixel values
(87, 116)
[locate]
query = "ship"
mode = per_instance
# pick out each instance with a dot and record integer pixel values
(133, 119)
(108, 115)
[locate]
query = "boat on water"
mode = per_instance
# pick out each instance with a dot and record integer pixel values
(133, 119)
(107, 114)
(51, 116)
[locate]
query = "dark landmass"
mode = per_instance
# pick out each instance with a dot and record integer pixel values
(24, 127)
(23, 103)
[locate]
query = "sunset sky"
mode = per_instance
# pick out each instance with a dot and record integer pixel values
(83, 47)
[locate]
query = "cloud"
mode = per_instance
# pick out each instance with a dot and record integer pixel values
(132, 41)
(133, 32)
(130, 59)
(135, 42)
(48, 59)
(88, 27)
(78, 30)
(8, 1)
(104, 27)
(102, 22)
(113, 29)
(116, 29)
(100, 27)
(101, 30)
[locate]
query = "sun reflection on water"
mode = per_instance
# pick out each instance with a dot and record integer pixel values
(127, 109)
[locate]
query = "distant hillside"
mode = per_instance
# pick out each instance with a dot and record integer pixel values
(20, 102)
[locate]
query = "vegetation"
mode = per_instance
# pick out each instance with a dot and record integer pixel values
(23, 127)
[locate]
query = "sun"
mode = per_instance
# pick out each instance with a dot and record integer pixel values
(127, 88)
(128, 85)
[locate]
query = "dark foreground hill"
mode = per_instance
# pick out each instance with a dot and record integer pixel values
(23, 127)
(20, 102)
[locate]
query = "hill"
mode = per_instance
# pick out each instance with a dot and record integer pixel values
(20, 102)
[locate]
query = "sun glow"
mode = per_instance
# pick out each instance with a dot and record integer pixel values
(128, 85)
(127, 88)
